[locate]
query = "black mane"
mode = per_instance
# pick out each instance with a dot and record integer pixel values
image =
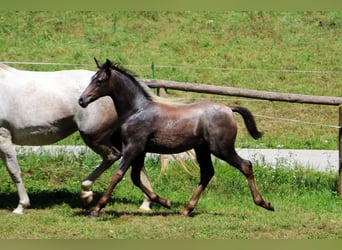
(117, 67)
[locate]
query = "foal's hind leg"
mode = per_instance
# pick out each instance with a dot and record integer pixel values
(246, 168)
(137, 166)
(207, 172)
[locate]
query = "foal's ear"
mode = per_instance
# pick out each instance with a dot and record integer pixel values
(108, 66)
(108, 63)
(99, 65)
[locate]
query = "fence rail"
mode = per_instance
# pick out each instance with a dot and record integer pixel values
(256, 94)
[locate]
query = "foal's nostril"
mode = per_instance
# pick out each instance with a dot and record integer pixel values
(81, 102)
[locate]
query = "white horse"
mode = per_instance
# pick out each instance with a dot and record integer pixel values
(40, 108)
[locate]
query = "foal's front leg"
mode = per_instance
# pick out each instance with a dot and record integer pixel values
(116, 178)
(137, 165)
(128, 156)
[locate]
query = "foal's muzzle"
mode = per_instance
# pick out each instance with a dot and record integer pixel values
(82, 102)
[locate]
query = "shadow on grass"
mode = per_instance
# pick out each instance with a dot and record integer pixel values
(48, 199)
(112, 214)
(42, 199)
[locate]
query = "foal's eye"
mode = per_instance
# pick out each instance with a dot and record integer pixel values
(99, 82)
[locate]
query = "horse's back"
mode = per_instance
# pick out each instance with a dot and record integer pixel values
(39, 107)
(33, 96)
(208, 111)
(177, 128)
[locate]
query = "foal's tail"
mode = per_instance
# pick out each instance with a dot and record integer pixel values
(249, 121)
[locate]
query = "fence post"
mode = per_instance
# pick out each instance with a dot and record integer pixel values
(340, 151)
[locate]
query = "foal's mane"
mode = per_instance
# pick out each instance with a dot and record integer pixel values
(118, 67)
(143, 87)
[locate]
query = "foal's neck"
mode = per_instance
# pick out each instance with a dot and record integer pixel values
(128, 96)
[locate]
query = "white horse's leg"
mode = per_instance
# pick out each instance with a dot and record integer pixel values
(9, 157)
(86, 193)
(146, 204)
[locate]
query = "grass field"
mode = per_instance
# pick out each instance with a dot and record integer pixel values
(292, 52)
(307, 205)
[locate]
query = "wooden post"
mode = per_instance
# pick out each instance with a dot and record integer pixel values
(340, 151)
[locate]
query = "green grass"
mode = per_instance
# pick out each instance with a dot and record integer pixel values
(259, 43)
(307, 205)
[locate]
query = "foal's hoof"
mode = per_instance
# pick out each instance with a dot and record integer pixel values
(94, 214)
(269, 206)
(166, 204)
(266, 205)
(186, 213)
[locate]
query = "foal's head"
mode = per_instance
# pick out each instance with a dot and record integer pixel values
(99, 84)
(106, 82)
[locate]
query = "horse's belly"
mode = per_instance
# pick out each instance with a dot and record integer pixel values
(172, 145)
(42, 135)
(167, 150)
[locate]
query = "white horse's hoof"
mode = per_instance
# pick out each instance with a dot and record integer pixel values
(145, 210)
(86, 185)
(145, 207)
(87, 197)
(19, 210)
(86, 193)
